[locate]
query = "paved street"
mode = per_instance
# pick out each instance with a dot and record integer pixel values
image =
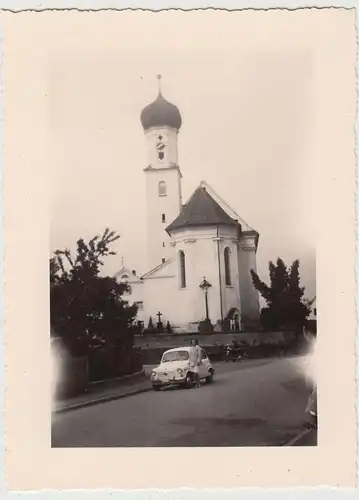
(251, 403)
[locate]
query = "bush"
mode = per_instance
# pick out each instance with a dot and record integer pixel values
(150, 330)
(205, 326)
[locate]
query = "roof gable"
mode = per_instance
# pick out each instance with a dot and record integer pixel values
(131, 278)
(200, 210)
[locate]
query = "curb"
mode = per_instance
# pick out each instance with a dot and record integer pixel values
(299, 436)
(124, 377)
(105, 399)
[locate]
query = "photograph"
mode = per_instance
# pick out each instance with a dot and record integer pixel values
(179, 194)
(182, 267)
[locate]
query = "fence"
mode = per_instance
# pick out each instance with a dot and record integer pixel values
(175, 340)
(113, 362)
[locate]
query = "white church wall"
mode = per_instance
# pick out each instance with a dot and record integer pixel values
(159, 293)
(168, 138)
(200, 249)
(249, 295)
(230, 293)
(161, 210)
(159, 297)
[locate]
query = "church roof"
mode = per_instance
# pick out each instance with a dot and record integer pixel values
(229, 210)
(200, 210)
(161, 113)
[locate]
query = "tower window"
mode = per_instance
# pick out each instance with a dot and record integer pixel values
(182, 266)
(161, 155)
(162, 188)
(227, 266)
(163, 244)
(163, 260)
(163, 217)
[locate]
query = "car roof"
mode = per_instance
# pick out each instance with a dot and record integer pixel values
(182, 348)
(174, 349)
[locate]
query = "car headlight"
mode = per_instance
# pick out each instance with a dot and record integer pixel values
(153, 374)
(180, 371)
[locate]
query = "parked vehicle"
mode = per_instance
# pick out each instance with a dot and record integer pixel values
(174, 369)
(233, 353)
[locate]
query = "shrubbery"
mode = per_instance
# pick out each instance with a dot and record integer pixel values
(87, 310)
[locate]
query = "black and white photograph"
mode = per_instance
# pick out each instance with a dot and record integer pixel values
(187, 241)
(183, 254)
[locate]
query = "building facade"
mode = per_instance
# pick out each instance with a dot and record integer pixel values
(187, 243)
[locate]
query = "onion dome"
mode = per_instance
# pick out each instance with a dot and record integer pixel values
(161, 113)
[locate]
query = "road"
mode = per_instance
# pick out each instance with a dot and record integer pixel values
(251, 403)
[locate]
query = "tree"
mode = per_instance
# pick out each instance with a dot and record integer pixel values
(86, 308)
(284, 297)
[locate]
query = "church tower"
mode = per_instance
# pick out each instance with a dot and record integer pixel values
(161, 122)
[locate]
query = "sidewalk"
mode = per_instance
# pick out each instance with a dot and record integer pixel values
(100, 392)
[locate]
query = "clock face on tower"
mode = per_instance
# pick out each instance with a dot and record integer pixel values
(160, 146)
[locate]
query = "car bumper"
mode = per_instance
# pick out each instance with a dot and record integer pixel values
(167, 382)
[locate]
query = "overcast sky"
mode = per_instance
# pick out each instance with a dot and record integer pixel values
(248, 112)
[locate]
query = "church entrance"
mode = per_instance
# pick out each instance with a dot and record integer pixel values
(235, 321)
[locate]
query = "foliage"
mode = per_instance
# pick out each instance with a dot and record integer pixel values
(150, 327)
(286, 306)
(86, 308)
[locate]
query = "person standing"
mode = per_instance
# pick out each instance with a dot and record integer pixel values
(195, 361)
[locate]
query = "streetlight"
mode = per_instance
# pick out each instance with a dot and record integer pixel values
(205, 285)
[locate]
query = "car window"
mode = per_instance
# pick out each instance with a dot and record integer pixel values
(175, 356)
(203, 354)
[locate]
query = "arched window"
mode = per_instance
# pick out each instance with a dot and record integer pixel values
(227, 266)
(182, 266)
(162, 189)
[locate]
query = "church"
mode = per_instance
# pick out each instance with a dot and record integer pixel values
(199, 253)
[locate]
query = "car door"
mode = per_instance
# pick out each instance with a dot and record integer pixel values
(203, 367)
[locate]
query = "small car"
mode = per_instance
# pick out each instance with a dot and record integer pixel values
(174, 369)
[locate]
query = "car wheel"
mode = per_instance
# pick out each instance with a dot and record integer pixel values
(156, 387)
(188, 383)
(210, 377)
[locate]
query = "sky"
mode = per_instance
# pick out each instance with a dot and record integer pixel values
(249, 129)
